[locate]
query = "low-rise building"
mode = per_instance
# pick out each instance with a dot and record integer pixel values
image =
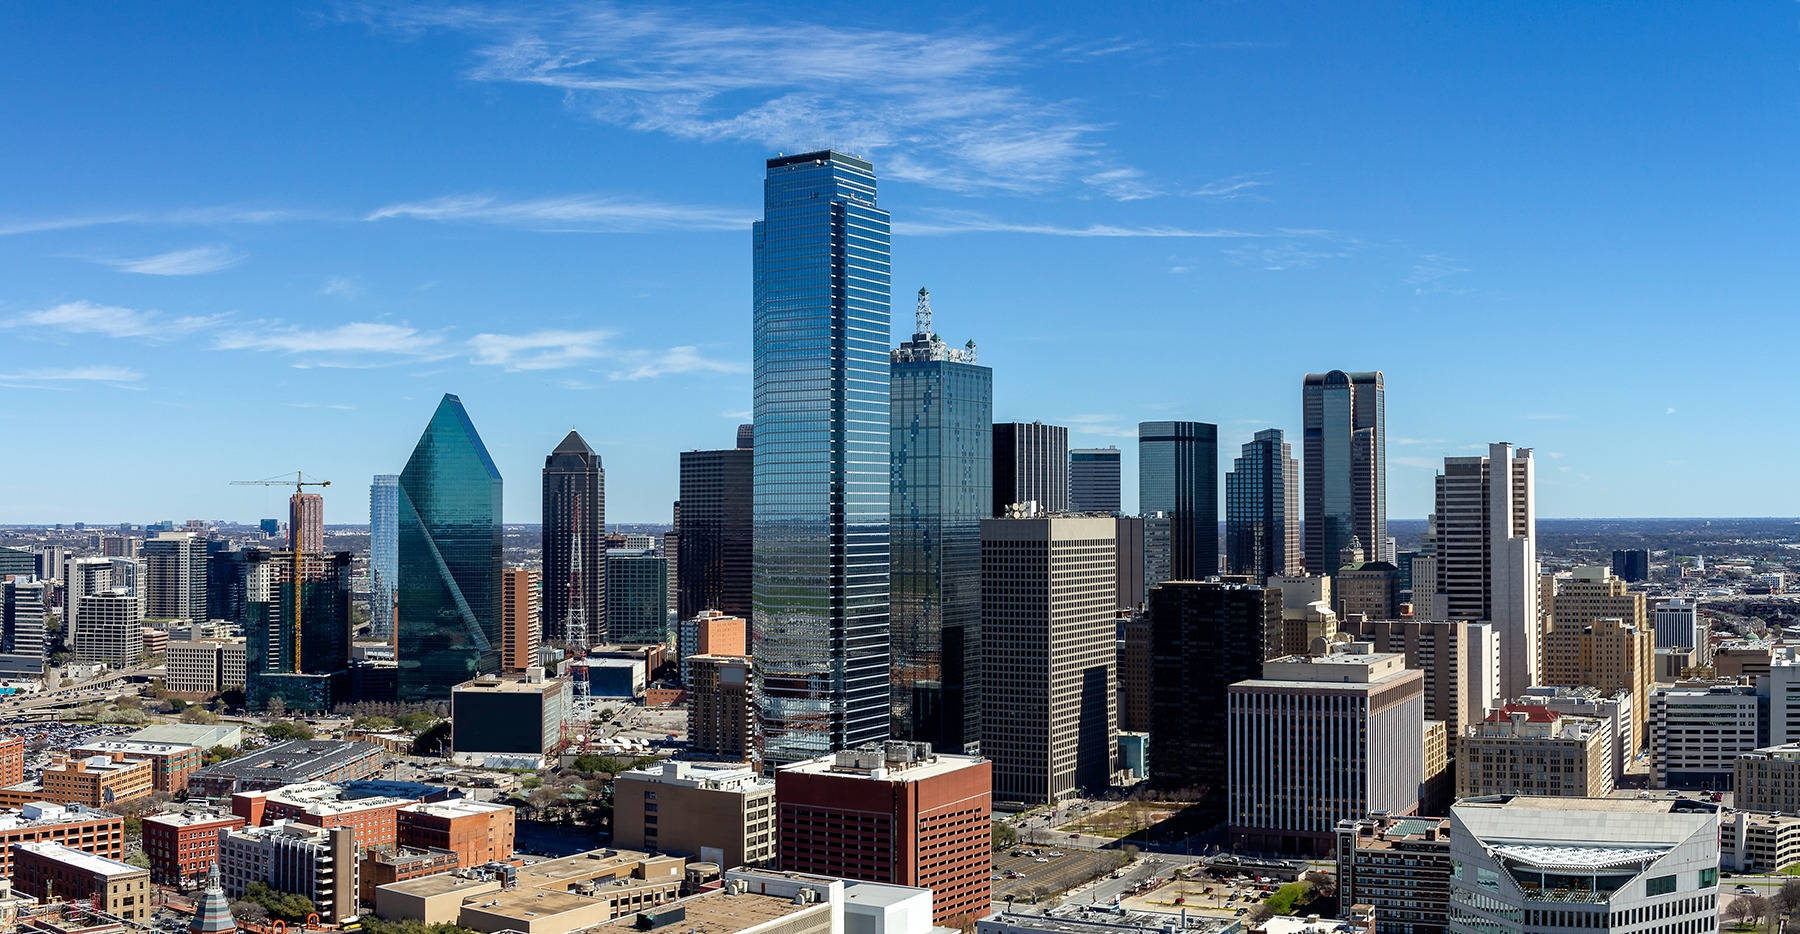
(202, 666)
(552, 896)
(1765, 843)
(289, 763)
(98, 780)
(316, 864)
(1768, 779)
(1531, 750)
(476, 831)
(1697, 732)
(1401, 867)
(513, 716)
(171, 763)
(101, 833)
(373, 818)
(380, 868)
(1078, 921)
(183, 845)
(44, 870)
(716, 814)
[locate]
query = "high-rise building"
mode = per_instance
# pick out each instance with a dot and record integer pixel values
(1697, 732)
(1344, 445)
(1129, 532)
(520, 627)
(1677, 624)
(298, 659)
(820, 544)
(1178, 476)
(713, 552)
(1031, 465)
(1371, 589)
(574, 544)
(384, 553)
(110, 629)
(721, 708)
(1631, 564)
(1608, 654)
(896, 813)
(942, 447)
(1134, 643)
(449, 622)
(1262, 509)
(1320, 739)
(1094, 480)
(1049, 655)
(1204, 636)
(174, 576)
(306, 522)
(228, 577)
(24, 610)
(1487, 555)
(1530, 749)
(1459, 661)
(637, 598)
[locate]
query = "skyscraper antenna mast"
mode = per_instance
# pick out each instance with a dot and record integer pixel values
(922, 317)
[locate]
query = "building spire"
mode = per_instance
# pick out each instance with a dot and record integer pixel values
(922, 316)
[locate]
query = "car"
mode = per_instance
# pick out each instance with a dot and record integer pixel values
(1074, 836)
(1243, 911)
(1040, 859)
(1745, 890)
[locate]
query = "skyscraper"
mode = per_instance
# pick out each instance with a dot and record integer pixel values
(574, 544)
(174, 577)
(1204, 635)
(303, 661)
(449, 621)
(1031, 464)
(384, 553)
(943, 407)
(637, 598)
(1345, 448)
(1262, 509)
(1487, 555)
(820, 545)
(520, 628)
(1178, 475)
(713, 552)
(1094, 480)
(25, 606)
(306, 522)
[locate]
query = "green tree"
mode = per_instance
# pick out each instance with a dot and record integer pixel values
(138, 859)
(198, 715)
(1006, 836)
(288, 729)
(374, 724)
(218, 754)
(285, 906)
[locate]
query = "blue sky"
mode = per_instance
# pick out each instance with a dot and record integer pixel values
(238, 239)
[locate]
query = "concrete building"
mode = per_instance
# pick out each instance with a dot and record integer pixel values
(183, 845)
(1533, 750)
(1460, 662)
(521, 630)
(723, 815)
(203, 666)
(1678, 625)
(721, 707)
(1697, 732)
(306, 522)
(1401, 867)
(517, 715)
(711, 632)
(98, 780)
(171, 763)
(289, 763)
(478, 832)
(174, 585)
(1782, 678)
(1768, 779)
(1318, 739)
(1204, 636)
(1129, 554)
(1049, 658)
(1113, 921)
(99, 832)
(1031, 465)
(1613, 710)
(1750, 842)
(553, 896)
(1609, 654)
(1094, 480)
(894, 813)
(1555, 864)
(109, 629)
(1487, 565)
(1134, 643)
(1371, 588)
(44, 870)
(317, 864)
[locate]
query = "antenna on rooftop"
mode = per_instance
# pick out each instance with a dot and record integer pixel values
(922, 317)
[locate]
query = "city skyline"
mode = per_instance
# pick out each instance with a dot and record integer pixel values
(343, 296)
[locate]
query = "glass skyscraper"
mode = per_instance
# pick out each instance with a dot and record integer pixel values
(943, 465)
(574, 544)
(637, 598)
(1344, 446)
(1178, 475)
(449, 546)
(712, 560)
(1094, 480)
(1262, 509)
(819, 579)
(384, 553)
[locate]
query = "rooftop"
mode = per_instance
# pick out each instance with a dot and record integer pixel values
(702, 775)
(890, 762)
(1786, 751)
(45, 814)
(191, 817)
(325, 798)
(717, 912)
(297, 760)
(135, 747)
(492, 684)
(98, 865)
(442, 883)
(455, 807)
(192, 734)
(1575, 858)
(1096, 920)
(881, 894)
(584, 866)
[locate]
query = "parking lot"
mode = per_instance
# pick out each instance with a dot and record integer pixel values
(1054, 876)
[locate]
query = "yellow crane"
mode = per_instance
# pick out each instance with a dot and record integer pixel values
(300, 483)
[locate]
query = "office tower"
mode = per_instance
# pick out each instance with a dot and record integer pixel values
(1697, 732)
(228, 583)
(711, 633)
(574, 544)
(1262, 509)
(942, 445)
(1204, 636)
(1530, 749)
(1608, 654)
(1487, 555)
(713, 553)
(24, 607)
(746, 436)
(306, 522)
(174, 577)
(1632, 565)
(119, 546)
(670, 550)
(637, 598)
(1094, 480)
(298, 658)
(721, 814)
(1135, 634)
(1400, 866)
(721, 707)
(1344, 444)
(896, 813)
(50, 560)
(1459, 660)
(520, 627)
(1317, 740)
(819, 576)
(1129, 550)
(110, 629)
(1600, 864)
(1159, 548)
(1307, 619)
(384, 553)
(1031, 465)
(1178, 476)
(1048, 655)
(1371, 588)
(449, 621)
(17, 562)
(1677, 625)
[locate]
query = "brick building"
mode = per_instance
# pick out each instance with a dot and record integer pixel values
(98, 832)
(98, 780)
(171, 763)
(721, 707)
(321, 804)
(12, 760)
(120, 890)
(476, 831)
(182, 845)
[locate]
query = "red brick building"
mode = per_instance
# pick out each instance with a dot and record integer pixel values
(476, 831)
(897, 813)
(171, 763)
(182, 845)
(322, 804)
(12, 760)
(97, 832)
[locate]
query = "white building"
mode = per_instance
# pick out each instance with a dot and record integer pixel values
(1580, 701)
(1487, 555)
(1578, 865)
(1678, 626)
(1784, 695)
(175, 576)
(316, 863)
(1697, 731)
(204, 665)
(111, 629)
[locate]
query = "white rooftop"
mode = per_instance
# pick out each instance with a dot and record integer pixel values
(1574, 857)
(99, 865)
(455, 807)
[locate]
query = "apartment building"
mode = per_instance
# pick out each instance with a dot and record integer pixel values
(1533, 750)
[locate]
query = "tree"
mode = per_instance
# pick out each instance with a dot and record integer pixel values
(287, 729)
(1753, 907)
(285, 906)
(1005, 836)
(276, 709)
(198, 715)
(1788, 898)
(138, 859)
(217, 754)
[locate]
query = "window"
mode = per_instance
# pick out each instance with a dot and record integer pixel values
(1709, 878)
(1659, 885)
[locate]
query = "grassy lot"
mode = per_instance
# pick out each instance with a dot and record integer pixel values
(1286, 897)
(1791, 869)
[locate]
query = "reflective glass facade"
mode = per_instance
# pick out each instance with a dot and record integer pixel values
(1262, 509)
(943, 410)
(1344, 445)
(449, 545)
(384, 553)
(1094, 480)
(820, 550)
(713, 552)
(637, 598)
(1178, 475)
(574, 544)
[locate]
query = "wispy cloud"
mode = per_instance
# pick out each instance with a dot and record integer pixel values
(354, 338)
(944, 223)
(685, 359)
(1417, 463)
(54, 378)
(84, 317)
(341, 287)
(539, 350)
(579, 213)
(1435, 274)
(1670, 411)
(216, 215)
(195, 261)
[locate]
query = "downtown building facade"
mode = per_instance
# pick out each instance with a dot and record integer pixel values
(1204, 636)
(1178, 480)
(820, 554)
(24, 612)
(1487, 556)
(574, 609)
(306, 522)
(1344, 446)
(942, 408)
(521, 629)
(450, 508)
(712, 561)
(384, 553)
(637, 598)
(1262, 509)
(1031, 465)
(301, 657)
(174, 585)
(1094, 480)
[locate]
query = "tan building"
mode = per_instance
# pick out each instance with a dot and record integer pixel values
(1399, 865)
(202, 667)
(98, 780)
(1371, 588)
(761, 901)
(721, 707)
(1134, 671)
(1460, 661)
(1435, 791)
(1768, 779)
(1306, 613)
(721, 815)
(1533, 750)
(1750, 842)
(1608, 653)
(553, 896)
(44, 870)
(171, 763)
(520, 629)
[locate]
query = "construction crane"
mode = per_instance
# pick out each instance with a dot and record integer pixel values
(300, 484)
